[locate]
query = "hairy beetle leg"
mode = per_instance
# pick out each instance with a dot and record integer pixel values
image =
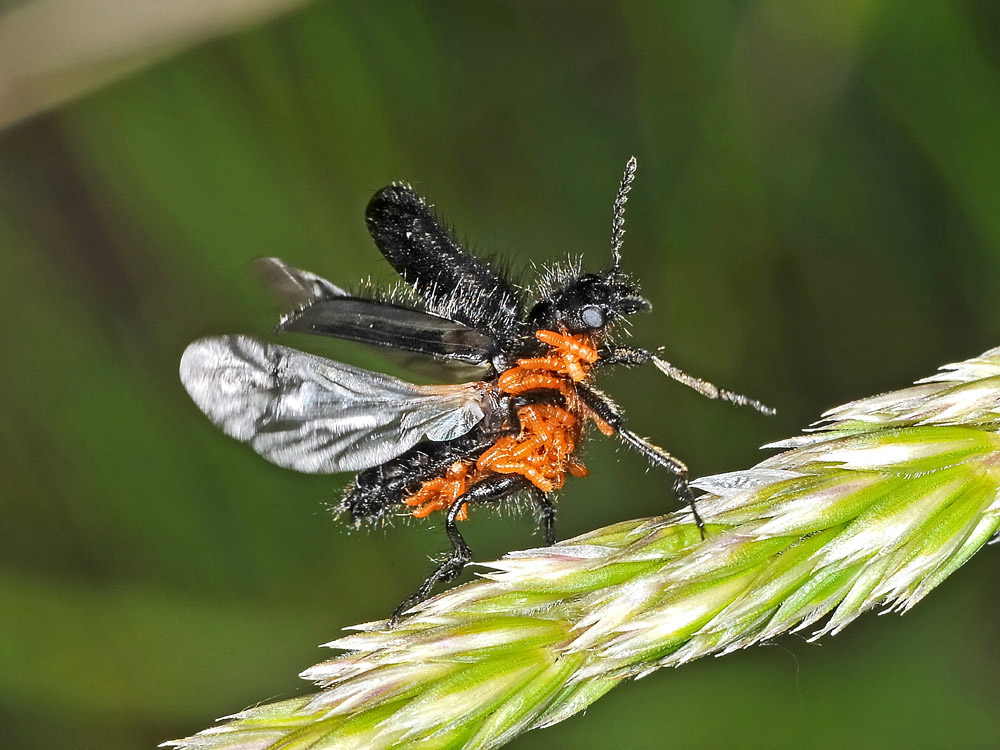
(490, 490)
(606, 410)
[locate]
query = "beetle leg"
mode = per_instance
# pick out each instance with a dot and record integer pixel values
(606, 410)
(490, 490)
(655, 454)
(546, 513)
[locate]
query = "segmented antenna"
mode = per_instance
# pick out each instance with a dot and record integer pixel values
(708, 389)
(618, 224)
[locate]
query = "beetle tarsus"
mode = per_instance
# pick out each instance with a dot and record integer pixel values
(491, 490)
(602, 405)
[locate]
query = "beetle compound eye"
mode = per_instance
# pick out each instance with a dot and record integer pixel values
(592, 316)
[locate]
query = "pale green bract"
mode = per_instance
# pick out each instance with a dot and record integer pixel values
(874, 507)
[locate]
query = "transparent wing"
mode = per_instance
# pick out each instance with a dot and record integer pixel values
(293, 285)
(315, 415)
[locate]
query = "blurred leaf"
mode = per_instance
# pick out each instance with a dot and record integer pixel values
(57, 50)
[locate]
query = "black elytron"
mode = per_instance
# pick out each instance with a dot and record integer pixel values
(512, 430)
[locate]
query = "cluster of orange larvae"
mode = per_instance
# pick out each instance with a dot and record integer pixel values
(542, 451)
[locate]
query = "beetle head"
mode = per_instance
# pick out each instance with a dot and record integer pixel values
(588, 303)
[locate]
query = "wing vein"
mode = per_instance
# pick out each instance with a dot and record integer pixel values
(315, 415)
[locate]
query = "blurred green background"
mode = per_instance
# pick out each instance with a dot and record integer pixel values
(816, 218)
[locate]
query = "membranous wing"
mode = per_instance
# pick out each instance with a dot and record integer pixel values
(373, 322)
(327, 310)
(318, 416)
(293, 285)
(455, 284)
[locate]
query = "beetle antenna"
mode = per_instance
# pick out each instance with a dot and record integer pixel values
(618, 224)
(708, 389)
